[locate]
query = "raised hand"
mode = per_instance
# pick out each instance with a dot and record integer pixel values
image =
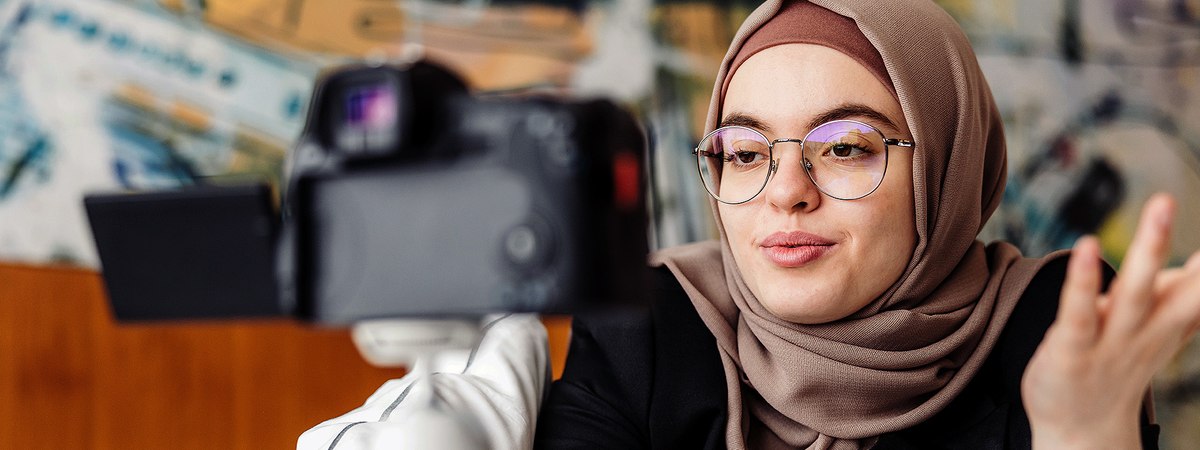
(1085, 385)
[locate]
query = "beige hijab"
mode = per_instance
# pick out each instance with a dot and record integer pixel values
(907, 354)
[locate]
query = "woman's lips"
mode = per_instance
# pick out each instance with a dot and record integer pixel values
(794, 249)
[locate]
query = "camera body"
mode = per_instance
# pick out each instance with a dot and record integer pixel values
(408, 197)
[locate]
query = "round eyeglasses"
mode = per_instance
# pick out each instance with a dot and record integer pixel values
(845, 159)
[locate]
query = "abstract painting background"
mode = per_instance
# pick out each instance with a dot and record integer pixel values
(1101, 102)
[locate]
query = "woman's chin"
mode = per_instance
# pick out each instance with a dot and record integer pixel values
(804, 310)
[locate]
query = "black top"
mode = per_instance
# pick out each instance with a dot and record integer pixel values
(654, 379)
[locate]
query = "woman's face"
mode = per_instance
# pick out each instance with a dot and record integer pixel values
(865, 244)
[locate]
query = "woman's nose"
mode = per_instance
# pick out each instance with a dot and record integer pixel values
(790, 188)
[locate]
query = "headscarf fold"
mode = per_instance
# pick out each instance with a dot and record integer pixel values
(907, 354)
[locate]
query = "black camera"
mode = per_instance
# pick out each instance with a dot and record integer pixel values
(407, 197)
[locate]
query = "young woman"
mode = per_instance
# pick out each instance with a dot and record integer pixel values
(854, 152)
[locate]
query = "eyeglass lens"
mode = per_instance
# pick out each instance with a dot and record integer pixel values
(844, 159)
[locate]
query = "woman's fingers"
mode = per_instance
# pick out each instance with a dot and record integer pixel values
(1077, 310)
(1192, 267)
(1132, 292)
(1173, 325)
(1193, 263)
(1090, 373)
(1169, 279)
(1178, 312)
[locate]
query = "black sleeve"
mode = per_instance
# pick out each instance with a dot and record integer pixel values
(607, 396)
(602, 399)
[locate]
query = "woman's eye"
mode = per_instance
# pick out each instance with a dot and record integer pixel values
(847, 150)
(746, 153)
(746, 157)
(843, 150)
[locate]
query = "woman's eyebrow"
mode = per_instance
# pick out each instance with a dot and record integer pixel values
(849, 111)
(744, 120)
(841, 112)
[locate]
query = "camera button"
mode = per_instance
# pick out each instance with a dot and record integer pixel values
(521, 244)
